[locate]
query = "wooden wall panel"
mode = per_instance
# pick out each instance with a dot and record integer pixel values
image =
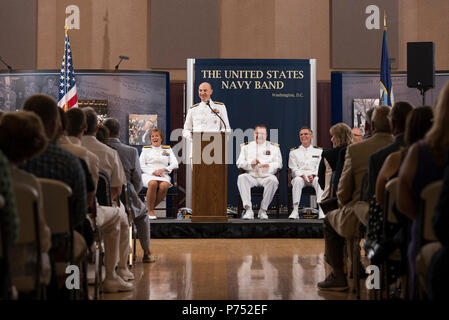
(18, 34)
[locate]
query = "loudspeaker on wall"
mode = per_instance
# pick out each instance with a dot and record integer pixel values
(420, 65)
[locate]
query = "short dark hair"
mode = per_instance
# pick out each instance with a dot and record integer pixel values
(44, 106)
(29, 135)
(399, 114)
(304, 128)
(113, 125)
(102, 133)
(261, 125)
(91, 120)
(76, 121)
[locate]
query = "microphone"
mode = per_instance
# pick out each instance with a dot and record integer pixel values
(7, 65)
(208, 104)
(121, 58)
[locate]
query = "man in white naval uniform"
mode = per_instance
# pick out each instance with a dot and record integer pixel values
(261, 159)
(201, 118)
(304, 162)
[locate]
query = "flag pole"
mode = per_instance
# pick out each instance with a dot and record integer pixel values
(66, 40)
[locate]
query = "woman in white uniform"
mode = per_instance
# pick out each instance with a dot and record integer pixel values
(157, 162)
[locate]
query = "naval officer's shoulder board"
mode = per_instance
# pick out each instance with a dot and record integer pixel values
(216, 102)
(244, 144)
(195, 105)
(275, 144)
(165, 147)
(294, 148)
(147, 147)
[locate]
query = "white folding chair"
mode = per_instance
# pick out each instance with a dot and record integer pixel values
(56, 196)
(26, 200)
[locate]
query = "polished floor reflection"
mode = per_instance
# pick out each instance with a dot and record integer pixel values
(237, 269)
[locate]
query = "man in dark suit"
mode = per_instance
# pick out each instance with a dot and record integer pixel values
(130, 160)
(397, 119)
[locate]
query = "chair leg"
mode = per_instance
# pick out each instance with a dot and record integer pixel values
(239, 207)
(278, 205)
(175, 207)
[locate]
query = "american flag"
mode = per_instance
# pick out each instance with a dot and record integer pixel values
(67, 86)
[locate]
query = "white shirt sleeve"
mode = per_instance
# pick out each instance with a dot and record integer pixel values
(188, 126)
(277, 161)
(173, 162)
(294, 165)
(242, 161)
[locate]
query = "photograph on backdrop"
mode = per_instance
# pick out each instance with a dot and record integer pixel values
(361, 106)
(140, 125)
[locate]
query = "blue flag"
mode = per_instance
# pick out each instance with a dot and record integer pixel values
(386, 89)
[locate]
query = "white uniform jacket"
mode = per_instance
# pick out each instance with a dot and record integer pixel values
(201, 118)
(154, 158)
(304, 161)
(267, 153)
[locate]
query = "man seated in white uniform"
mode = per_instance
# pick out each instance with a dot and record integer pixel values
(304, 162)
(261, 159)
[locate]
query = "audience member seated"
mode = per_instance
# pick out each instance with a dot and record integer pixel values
(397, 119)
(341, 137)
(304, 161)
(357, 134)
(9, 221)
(102, 133)
(343, 223)
(29, 141)
(378, 246)
(422, 165)
(59, 164)
(87, 162)
(130, 161)
(110, 164)
(438, 277)
(157, 162)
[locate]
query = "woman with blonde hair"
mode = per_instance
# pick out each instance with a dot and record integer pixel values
(423, 164)
(157, 162)
(342, 136)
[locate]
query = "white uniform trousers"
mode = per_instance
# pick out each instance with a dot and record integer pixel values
(246, 181)
(298, 184)
(115, 228)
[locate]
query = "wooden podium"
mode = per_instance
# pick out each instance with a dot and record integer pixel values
(209, 177)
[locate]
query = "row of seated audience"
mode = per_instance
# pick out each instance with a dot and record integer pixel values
(401, 142)
(43, 141)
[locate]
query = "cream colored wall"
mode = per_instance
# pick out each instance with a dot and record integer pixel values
(110, 29)
(282, 29)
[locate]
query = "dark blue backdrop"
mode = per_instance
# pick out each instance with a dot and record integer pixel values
(276, 93)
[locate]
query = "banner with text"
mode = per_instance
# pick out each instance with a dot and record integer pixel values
(271, 92)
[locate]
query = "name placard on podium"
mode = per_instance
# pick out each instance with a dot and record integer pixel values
(209, 176)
